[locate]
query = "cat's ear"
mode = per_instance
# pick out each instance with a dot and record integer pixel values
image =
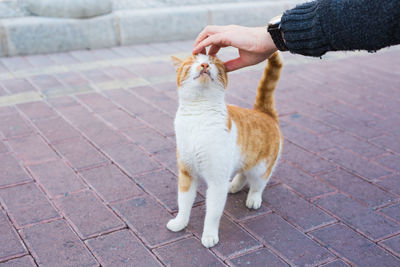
(177, 62)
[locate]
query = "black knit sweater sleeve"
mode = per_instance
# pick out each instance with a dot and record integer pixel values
(320, 26)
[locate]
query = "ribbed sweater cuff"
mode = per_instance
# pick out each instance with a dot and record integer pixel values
(302, 30)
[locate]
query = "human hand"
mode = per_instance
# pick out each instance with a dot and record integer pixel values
(254, 44)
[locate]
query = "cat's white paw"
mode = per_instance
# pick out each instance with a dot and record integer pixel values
(253, 200)
(175, 225)
(209, 240)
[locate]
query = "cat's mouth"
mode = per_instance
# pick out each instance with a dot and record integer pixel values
(204, 72)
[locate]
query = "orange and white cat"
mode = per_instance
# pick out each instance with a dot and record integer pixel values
(216, 141)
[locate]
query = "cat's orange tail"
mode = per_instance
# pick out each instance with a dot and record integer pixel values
(266, 87)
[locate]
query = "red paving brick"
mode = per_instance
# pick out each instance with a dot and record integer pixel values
(261, 257)
(119, 73)
(96, 76)
(358, 188)
(121, 120)
(152, 69)
(353, 247)
(80, 154)
(306, 160)
(308, 186)
(87, 214)
(358, 165)
(97, 102)
(65, 248)
(10, 171)
(46, 82)
(62, 102)
(392, 244)
(236, 208)
(292, 245)
(56, 130)
(336, 263)
(26, 204)
(392, 211)
(159, 99)
(7, 110)
(71, 79)
(102, 135)
(164, 186)
(301, 120)
(110, 168)
(10, 243)
(130, 102)
(350, 124)
(32, 149)
(305, 139)
(360, 217)
(187, 252)
(149, 139)
(130, 158)
(391, 183)
(26, 261)
(148, 220)
(391, 161)
(390, 142)
(121, 248)
(36, 110)
(355, 144)
(13, 125)
(57, 178)
(168, 159)
(18, 85)
(3, 147)
(295, 209)
(111, 184)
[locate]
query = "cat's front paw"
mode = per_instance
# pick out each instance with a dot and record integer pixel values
(209, 240)
(175, 225)
(253, 201)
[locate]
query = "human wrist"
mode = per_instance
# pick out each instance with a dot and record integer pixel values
(270, 44)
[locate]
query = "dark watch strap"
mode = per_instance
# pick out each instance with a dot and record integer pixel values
(276, 36)
(274, 29)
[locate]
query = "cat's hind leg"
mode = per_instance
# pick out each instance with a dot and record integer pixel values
(237, 183)
(187, 186)
(257, 178)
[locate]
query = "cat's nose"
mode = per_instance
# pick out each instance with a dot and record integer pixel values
(204, 65)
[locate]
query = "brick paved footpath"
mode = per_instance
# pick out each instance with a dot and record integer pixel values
(88, 169)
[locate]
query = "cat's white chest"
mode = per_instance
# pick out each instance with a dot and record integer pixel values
(203, 138)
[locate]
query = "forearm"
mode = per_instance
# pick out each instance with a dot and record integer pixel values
(341, 25)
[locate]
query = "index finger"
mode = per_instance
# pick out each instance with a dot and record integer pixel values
(207, 31)
(216, 39)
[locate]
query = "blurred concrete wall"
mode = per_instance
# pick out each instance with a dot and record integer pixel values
(126, 24)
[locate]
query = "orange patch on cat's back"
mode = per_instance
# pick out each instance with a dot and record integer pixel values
(259, 136)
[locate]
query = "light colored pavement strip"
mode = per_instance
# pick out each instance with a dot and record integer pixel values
(125, 83)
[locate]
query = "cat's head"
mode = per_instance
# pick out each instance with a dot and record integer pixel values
(200, 70)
